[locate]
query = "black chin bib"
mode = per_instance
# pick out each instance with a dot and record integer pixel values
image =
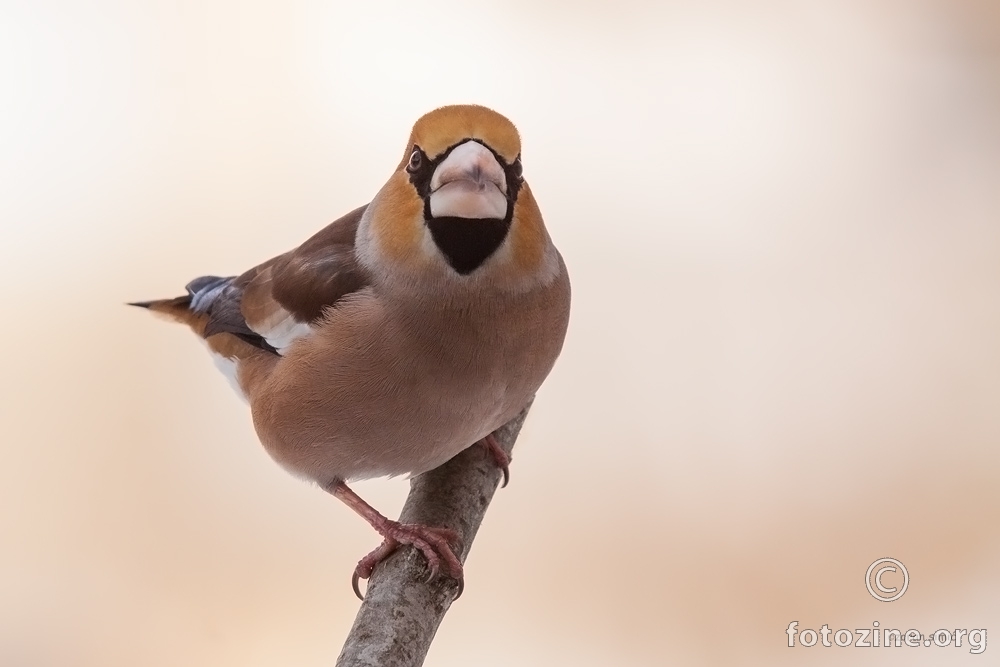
(468, 242)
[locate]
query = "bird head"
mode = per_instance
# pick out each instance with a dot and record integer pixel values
(457, 207)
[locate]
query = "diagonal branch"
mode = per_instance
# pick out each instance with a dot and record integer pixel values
(401, 612)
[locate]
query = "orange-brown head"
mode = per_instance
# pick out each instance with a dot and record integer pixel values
(457, 210)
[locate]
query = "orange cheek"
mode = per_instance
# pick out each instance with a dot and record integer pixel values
(528, 234)
(397, 220)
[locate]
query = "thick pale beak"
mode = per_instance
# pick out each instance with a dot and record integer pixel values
(470, 183)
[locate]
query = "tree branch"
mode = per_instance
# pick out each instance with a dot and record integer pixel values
(401, 612)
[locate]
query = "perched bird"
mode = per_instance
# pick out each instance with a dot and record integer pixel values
(402, 333)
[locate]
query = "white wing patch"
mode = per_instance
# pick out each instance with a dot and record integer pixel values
(289, 331)
(282, 329)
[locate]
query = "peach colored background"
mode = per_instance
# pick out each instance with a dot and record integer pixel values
(783, 226)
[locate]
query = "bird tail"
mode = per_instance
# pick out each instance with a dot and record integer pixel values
(191, 309)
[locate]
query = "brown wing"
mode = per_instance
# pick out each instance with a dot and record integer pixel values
(274, 303)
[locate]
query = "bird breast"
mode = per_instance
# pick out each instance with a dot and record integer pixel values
(388, 389)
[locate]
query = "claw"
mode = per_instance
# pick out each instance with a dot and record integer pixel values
(435, 543)
(500, 457)
(364, 570)
(354, 584)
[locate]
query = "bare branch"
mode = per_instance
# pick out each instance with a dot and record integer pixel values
(401, 611)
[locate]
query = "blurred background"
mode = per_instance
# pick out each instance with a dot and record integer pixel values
(782, 221)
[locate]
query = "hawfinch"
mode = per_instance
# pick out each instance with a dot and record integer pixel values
(402, 333)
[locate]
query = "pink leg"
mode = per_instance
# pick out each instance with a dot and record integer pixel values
(499, 457)
(435, 543)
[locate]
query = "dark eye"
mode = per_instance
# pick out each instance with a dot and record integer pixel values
(516, 169)
(416, 159)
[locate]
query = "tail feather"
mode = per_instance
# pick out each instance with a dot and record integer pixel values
(177, 309)
(161, 304)
(205, 290)
(193, 308)
(211, 306)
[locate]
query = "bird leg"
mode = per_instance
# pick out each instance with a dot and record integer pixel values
(499, 456)
(433, 542)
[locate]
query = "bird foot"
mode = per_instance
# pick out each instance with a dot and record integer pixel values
(499, 456)
(433, 542)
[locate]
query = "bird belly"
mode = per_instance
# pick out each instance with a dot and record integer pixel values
(349, 442)
(391, 421)
(369, 395)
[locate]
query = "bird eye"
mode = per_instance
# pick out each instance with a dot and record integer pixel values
(516, 169)
(416, 159)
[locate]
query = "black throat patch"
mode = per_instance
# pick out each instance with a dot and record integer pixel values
(467, 242)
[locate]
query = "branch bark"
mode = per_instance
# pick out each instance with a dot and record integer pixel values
(401, 612)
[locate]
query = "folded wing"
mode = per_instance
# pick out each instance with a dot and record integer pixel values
(276, 303)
